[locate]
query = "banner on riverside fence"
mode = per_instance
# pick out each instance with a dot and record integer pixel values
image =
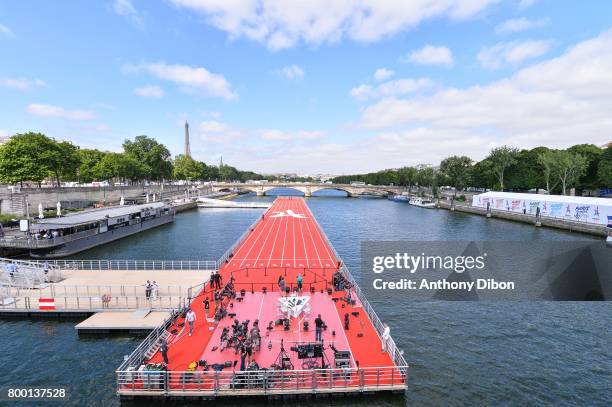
(571, 208)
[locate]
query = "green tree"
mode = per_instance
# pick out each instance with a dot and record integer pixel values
(27, 157)
(228, 173)
(550, 169)
(501, 158)
(604, 169)
(426, 176)
(88, 164)
(526, 173)
(457, 171)
(154, 156)
(211, 172)
(592, 155)
(63, 160)
(571, 167)
(120, 166)
(186, 168)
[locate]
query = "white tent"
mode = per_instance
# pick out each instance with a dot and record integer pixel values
(576, 208)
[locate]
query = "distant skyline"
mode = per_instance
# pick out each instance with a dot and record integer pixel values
(329, 86)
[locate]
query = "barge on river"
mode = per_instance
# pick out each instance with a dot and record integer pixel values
(258, 336)
(70, 234)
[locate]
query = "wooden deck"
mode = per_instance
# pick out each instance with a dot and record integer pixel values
(126, 321)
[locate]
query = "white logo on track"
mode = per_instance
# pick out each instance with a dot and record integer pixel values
(288, 212)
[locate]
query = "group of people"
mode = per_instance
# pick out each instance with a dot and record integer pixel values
(244, 340)
(282, 283)
(216, 280)
(43, 234)
(151, 290)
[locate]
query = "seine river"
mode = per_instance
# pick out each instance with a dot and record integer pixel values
(461, 353)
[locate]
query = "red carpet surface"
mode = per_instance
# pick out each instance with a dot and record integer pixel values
(287, 242)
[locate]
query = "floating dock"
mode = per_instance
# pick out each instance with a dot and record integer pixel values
(138, 321)
(287, 358)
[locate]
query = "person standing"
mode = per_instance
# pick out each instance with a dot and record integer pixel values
(281, 284)
(219, 280)
(212, 279)
(154, 290)
(300, 281)
(385, 337)
(190, 318)
(148, 290)
(243, 355)
(46, 267)
(164, 351)
(319, 329)
(206, 306)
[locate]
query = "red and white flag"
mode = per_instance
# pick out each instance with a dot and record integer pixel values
(46, 303)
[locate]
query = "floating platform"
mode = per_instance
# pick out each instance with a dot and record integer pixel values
(138, 321)
(287, 358)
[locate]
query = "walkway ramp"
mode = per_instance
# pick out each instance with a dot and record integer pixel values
(122, 321)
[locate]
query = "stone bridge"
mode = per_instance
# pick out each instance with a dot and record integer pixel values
(309, 188)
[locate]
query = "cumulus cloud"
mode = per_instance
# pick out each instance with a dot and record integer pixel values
(190, 79)
(526, 3)
(382, 74)
(315, 22)
(391, 88)
(557, 103)
(150, 91)
(4, 30)
(512, 53)
(39, 109)
(290, 72)
(22, 83)
(431, 55)
(515, 25)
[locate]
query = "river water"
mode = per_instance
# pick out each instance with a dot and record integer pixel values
(461, 353)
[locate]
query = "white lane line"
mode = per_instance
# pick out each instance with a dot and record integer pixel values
(313, 243)
(263, 297)
(304, 244)
(320, 233)
(275, 241)
(265, 240)
(254, 241)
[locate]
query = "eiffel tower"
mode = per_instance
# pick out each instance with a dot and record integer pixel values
(187, 148)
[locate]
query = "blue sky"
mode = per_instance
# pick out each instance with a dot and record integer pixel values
(329, 86)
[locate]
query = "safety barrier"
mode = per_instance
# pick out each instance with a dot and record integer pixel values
(28, 274)
(133, 379)
(92, 303)
(136, 264)
(68, 291)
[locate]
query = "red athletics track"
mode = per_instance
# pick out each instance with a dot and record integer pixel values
(288, 242)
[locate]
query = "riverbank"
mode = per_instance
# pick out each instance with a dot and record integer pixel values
(563, 224)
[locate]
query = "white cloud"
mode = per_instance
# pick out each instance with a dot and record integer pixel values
(382, 74)
(431, 55)
(315, 22)
(190, 79)
(126, 9)
(274, 134)
(526, 3)
(515, 25)
(39, 109)
(391, 88)
(150, 91)
(4, 30)
(558, 103)
(213, 126)
(290, 72)
(511, 53)
(22, 83)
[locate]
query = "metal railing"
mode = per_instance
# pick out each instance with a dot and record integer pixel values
(133, 379)
(30, 242)
(68, 291)
(96, 303)
(233, 247)
(135, 264)
(396, 354)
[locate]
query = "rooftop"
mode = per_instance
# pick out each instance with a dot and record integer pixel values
(93, 215)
